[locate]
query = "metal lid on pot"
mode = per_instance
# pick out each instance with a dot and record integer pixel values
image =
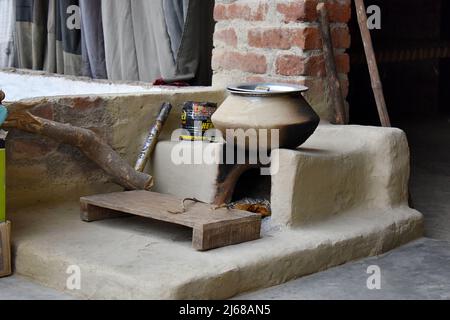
(266, 89)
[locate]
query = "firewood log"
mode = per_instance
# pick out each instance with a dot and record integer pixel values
(88, 142)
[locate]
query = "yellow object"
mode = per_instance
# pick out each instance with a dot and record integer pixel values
(2, 187)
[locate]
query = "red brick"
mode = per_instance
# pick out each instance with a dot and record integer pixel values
(226, 36)
(232, 60)
(220, 12)
(285, 38)
(301, 10)
(307, 38)
(245, 11)
(278, 38)
(339, 10)
(305, 10)
(341, 37)
(292, 65)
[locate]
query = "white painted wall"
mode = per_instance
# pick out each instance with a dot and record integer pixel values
(19, 86)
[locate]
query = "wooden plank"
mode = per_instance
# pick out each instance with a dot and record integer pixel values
(90, 213)
(226, 233)
(213, 228)
(5, 249)
(162, 207)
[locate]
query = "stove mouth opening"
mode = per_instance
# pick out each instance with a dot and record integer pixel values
(253, 193)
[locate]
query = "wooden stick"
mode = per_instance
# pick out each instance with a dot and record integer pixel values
(85, 140)
(152, 139)
(372, 63)
(335, 90)
(229, 176)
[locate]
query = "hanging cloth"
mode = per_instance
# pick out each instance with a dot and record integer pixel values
(148, 40)
(31, 33)
(120, 48)
(48, 35)
(63, 54)
(7, 22)
(92, 41)
(175, 13)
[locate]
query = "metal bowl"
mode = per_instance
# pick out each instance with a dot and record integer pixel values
(266, 89)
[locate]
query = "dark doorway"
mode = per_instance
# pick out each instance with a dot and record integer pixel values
(413, 53)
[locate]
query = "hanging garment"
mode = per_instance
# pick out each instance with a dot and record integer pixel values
(148, 40)
(92, 41)
(63, 54)
(190, 28)
(7, 21)
(175, 12)
(31, 33)
(48, 35)
(120, 48)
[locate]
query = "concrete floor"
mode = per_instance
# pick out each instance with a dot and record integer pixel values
(416, 271)
(18, 288)
(430, 184)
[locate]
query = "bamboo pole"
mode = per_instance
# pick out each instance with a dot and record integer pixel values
(372, 64)
(152, 138)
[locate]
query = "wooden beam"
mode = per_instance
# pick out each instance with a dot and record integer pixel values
(372, 64)
(88, 142)
(212, 228)
(335, 91)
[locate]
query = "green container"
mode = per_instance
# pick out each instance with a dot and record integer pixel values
(2, 186)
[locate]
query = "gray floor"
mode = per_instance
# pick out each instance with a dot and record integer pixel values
(17, 288)
(430, 184)
(420, 270)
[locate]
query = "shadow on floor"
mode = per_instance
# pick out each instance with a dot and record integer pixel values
(430, 181)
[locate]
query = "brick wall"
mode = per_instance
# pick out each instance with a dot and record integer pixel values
(279, 40)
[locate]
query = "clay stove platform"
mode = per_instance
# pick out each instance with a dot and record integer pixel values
(341, 197)
(136, 258)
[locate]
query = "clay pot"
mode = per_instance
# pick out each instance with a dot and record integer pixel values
(268, 106)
